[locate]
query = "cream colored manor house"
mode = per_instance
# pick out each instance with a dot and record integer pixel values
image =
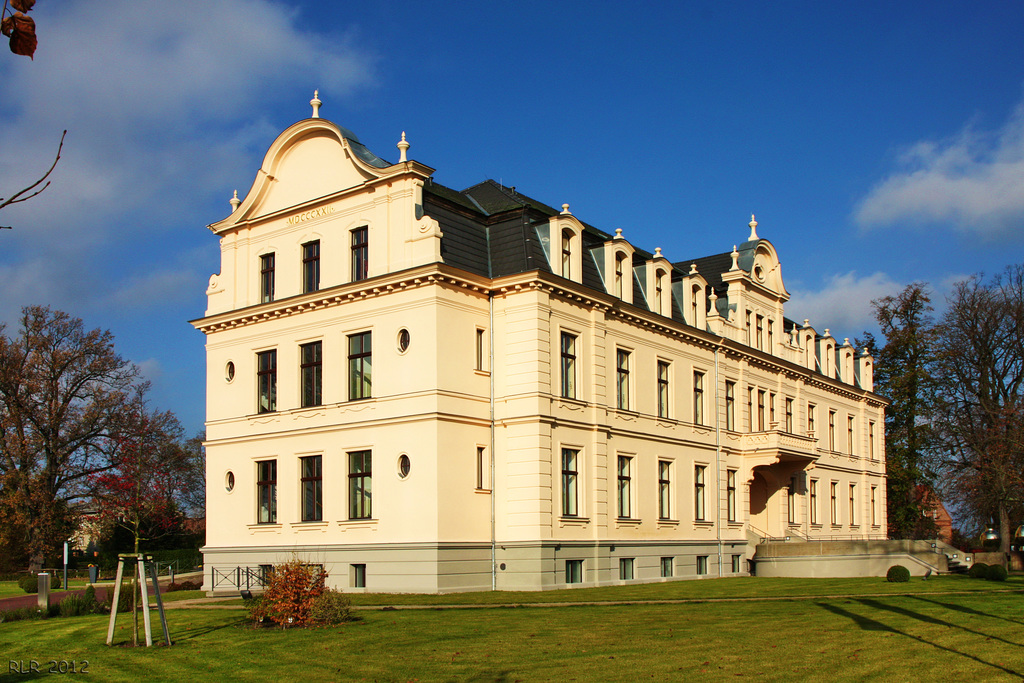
(430, 390)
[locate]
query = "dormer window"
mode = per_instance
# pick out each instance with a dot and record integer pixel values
(693, 304)
(567, 253)
(620, 259)
(659, 284)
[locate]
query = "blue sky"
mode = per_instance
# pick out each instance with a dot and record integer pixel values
(878, 143)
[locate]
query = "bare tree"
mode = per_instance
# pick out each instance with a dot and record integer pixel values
(979, 417)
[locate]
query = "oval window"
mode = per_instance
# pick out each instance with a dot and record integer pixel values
(229, 481)
(229, 371)
(403, 340)
(404, 465)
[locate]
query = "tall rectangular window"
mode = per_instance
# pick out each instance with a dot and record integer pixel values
(849, 434)
(266, 278)
(481, 467)
(311, 266)
(736, 564)
(789, 416)
(625, 486)
(664, 489)
(771, 411)
(832, 430)
(833, 503)
(360, 480)
(810, 418)
(574, 571)
(813, 491)
(874, 506)
(266, 491)
(311, 373)
(481, 347)
(702, 565)
(760, 331)
(813, 495)
(359, 366)
(750, 409)
(791, 501)
(698, 398)
(266, 381)
(760, 410)
(568, 354)
(698, 492)
(570, 482)
(360, 247)
(312, 488)
(666, 566)
(622, 378)
(730, 405)
(853, 504)
(771, 347)
(871, 440)
(730, 495)
(663, 388)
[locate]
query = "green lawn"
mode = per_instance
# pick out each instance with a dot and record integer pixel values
(934, 634)
(10, 589)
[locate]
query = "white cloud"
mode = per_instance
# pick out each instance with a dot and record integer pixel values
(972, 181)
(843, 304)
(166, 112)
(150, 370)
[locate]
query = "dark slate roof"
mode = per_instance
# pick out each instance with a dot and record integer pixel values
(710, 268)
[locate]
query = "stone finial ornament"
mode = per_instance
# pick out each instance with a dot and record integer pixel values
(618, 233)
(403, 147)
(235, 202)
(753, 229)
(657, 252)
(315, 103)
(565, 210)
(693, 269)
(735, 259)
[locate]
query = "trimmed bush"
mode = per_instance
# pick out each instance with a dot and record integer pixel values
(330, 607)
(996, 572)
(978, 570)
(184, 586)
(897, 574)
(29, 583)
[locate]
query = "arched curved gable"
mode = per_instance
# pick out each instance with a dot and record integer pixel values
(760, 260)
(310, 160)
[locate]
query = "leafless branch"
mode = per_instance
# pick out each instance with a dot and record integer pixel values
(17, 196)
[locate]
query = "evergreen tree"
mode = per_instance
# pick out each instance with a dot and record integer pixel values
(902, 375)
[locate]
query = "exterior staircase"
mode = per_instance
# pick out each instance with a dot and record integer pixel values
(810, 558)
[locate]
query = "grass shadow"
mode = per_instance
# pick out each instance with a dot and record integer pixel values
(191, 633)
(870, 624)
(911, 614)
(966, 610)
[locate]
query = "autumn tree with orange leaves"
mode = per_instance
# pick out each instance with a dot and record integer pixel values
(64, 397)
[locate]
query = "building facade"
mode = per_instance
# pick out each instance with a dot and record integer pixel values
(432, 390)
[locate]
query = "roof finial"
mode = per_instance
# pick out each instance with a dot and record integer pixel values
(753, 229)
(565, 210)
(315, 103)
(657, 252)
(235, 201)
(735, 259)
(618, 233)
(403, 146)
(693, 269)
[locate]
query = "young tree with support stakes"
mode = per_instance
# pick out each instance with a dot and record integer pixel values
(152, 471)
